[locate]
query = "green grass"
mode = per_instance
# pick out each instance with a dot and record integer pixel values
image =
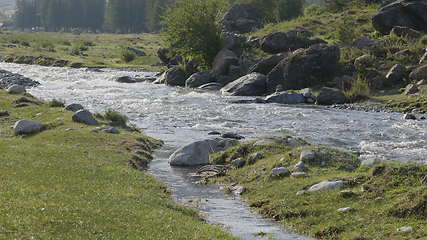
(388, 196)
(92, 50)
(77, 184)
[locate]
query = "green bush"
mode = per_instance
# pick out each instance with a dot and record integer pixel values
(359, 90)
(116, 118)
(56, 103)
(127, 55)
(191, 29)
(347, 32)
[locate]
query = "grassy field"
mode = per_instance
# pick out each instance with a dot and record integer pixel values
(385, 197)
(91, 50)
(69, 182)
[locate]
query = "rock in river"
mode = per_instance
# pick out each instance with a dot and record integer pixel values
(197, 153)
(253, 84)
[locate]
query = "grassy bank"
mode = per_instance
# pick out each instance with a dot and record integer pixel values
(69, 182)
(383, 198)
(89, 50)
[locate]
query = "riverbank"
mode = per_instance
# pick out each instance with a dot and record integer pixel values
(356, 200)
(137, 51)
(70, 182)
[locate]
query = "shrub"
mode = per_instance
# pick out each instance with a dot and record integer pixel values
(359, 90)
(116, 118)
(337, 5)
(191, 29)
(346, 32)
(313, 10)
(127, 55)
(56, 103)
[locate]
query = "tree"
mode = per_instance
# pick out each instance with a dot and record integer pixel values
(191, 29)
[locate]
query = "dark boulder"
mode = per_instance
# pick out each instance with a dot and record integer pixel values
(199, 79)
(405, 32)
(265, 65)
(396, 75)
(329, 96)
(253, 84)
(175, 77)
(241, 18)
(283, 42)
(223, 60)
(305, 68)
(419, 73)
(404, 13)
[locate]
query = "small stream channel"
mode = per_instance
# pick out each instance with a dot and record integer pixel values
(179, 116)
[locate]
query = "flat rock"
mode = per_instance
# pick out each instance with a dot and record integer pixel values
(16, 89)
(253, 84)
(280, 172)
(4, 113)
(285, 98)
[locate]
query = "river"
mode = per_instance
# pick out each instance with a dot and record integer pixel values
(179, 116)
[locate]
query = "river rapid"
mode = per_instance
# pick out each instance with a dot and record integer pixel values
(179, 116)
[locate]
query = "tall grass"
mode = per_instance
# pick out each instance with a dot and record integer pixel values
(359, 90)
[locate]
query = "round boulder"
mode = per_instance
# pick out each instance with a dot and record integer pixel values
(198, 79)
(329, 96)
(84, 116)
(25, 127)
(253, 84)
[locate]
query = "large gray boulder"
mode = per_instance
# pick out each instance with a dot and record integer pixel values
(84, 116)
(128, 79)
(16, 89)
(419, 73)
(405, 13)
(305, 68)
(329, 96)
(285, 98)
(197, 153)
(25, 127)
(253, 84)
(279, 42)
(267, 64)
(198, 79)
(241, 18)
(222, 62)
(175, 77)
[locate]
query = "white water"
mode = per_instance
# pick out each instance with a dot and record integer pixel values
(179, 116)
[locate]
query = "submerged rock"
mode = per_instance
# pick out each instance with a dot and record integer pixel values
(253, 84)
(84, 116)
(16, 89)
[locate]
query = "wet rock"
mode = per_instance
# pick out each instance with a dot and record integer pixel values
(214, 133)
(8, 79)
(253, 84)
(279, 42)
(330, 96)
(25, 127)
(239, 190)
(305, 68)
(285, 98)
(197, 153)
(211, 87)
(232, 136)
(239, 162)
(199, 79)
(406, 13)
(241, 18)
(306, 92)
(327, 185)
(4, 113)
(396, 75)
(410, 89)
(280, 172)
(406, 32)
(419, 73)
(74, 107)
(84, 116)
(16, 89)
(409, 116)
(175, 77)
(128, 79)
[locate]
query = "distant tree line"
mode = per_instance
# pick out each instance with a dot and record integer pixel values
(119, 16)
